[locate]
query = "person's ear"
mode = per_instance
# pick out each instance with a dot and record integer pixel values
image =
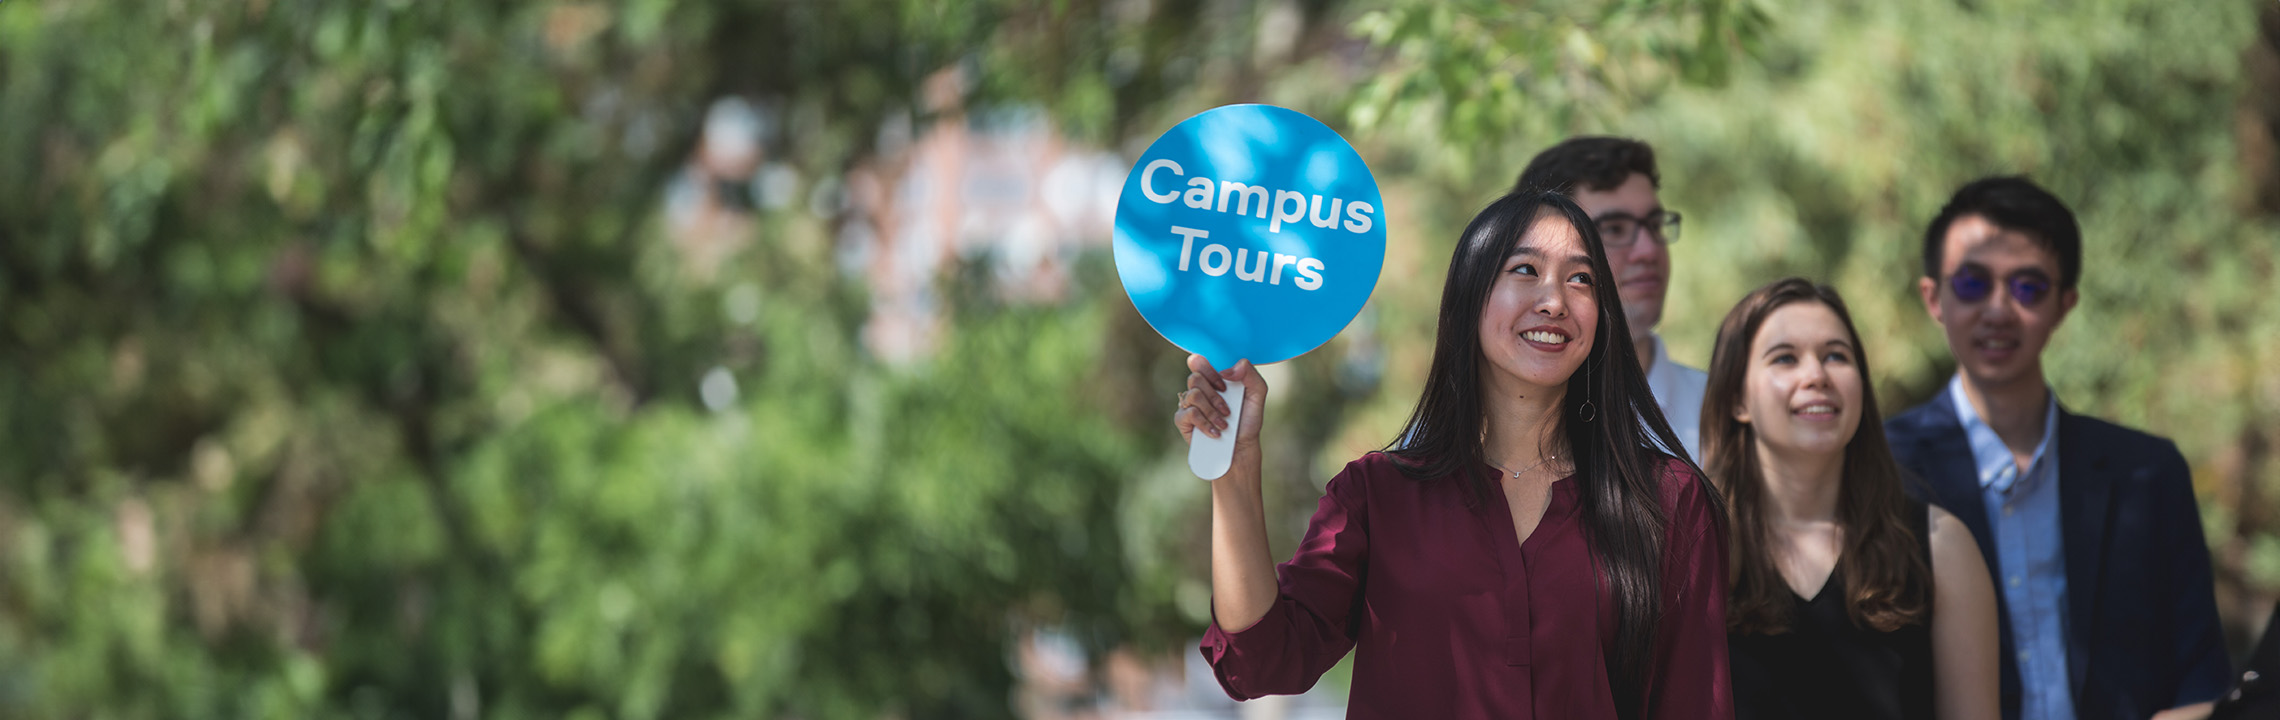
(1741, 413)
(2066, 301)
(1929, 289)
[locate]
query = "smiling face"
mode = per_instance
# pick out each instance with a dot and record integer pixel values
(1537, 326)
(1642, 271)
(1998, 336)
(1802, 393)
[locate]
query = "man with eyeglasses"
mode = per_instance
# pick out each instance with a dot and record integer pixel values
(1614, 181)
(2090, 528)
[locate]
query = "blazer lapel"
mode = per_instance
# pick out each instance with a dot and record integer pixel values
(1954, 479)
(2084, 488)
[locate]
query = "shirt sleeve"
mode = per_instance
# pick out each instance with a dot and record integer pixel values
(1313, 621)
(2204, 671)
(1690, 677)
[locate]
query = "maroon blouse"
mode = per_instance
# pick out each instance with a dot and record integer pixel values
(1456, 617)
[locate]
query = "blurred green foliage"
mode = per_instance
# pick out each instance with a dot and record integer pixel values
(347, 372)
(346, 369)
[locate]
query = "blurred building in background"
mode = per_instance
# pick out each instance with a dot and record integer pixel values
(997, 187)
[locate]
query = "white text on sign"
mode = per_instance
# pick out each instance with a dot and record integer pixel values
(1248, 266)
(1288, 206)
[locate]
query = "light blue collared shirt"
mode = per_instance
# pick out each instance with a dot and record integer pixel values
(1678, 389)
(2023, 517)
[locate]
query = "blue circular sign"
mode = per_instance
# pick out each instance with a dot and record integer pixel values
(1249, 232)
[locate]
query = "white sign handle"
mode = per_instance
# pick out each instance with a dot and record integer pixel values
(1209, 457)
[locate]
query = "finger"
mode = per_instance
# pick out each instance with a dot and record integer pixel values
(1243, 372)
(1254, 385)
(1200, 366)
(1196, 419)
(1204, 398)
(1205, 403)
(1213, 417)
(1200, 394)
(1199, 381)
(1209, 408)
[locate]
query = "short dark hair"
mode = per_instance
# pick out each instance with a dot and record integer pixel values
(2011, 202)
(1590, 162)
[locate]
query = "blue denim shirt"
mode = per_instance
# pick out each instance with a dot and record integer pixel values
(2023, 517)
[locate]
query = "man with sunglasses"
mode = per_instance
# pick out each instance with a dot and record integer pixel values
(1615, 182)
(2090, 528)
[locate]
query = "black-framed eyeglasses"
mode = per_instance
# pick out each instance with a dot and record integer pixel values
(1973, 285)
(1620, 230)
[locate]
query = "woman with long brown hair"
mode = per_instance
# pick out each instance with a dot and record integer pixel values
(1849, 599)
(1524, 548)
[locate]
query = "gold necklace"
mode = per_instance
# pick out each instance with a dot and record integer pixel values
(1540, 463)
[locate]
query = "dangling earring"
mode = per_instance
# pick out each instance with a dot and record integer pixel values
(1587, 412)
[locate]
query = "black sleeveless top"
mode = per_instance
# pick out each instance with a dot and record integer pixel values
(1827, 667)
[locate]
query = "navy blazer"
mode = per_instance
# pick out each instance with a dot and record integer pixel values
(2142, 631)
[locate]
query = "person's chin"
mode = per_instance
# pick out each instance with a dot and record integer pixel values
(1645, 293)
(1810, 441)
(1549, 374)
(1997, 371)
(1643, 320)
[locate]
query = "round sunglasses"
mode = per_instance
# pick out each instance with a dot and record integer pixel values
(1974, 285)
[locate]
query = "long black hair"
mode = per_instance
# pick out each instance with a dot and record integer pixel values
(1614, 431)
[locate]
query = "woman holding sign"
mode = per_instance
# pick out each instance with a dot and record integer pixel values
(1524, 549)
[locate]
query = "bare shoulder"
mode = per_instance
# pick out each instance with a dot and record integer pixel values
(1942, 519)
(1947, 529)
(1953, 548)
